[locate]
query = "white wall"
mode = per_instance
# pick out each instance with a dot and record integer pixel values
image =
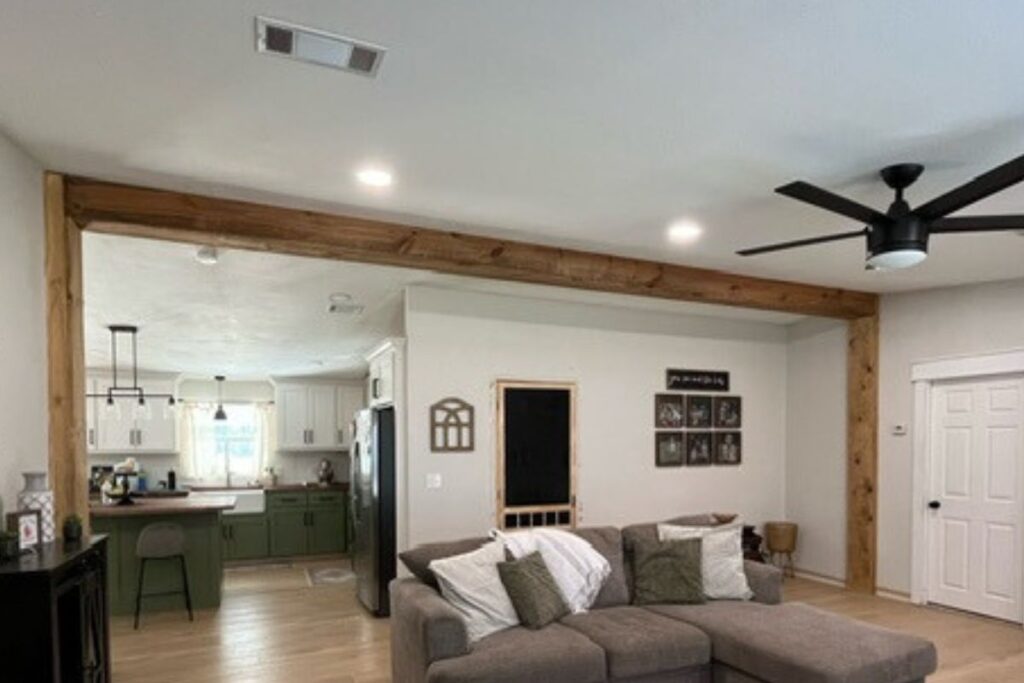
(23, 409)
(923, 326)
(459, 343)
(816, 445)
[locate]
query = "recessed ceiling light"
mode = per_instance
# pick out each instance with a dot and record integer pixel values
(208, 256)
(684, 232)
(374, 177)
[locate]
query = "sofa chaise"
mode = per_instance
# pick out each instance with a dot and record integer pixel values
(716, 642)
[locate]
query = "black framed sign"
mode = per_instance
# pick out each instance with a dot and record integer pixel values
(696, 380)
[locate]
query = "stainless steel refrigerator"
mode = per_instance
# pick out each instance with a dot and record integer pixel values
(373, 507)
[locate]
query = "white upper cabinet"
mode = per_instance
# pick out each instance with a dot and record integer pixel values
(122, 429)
(292, 417)
(323, 417)
(381, 386)
(307, 416)
(350, 402)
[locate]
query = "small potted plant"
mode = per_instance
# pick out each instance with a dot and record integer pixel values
(72, 529)
(9, 548)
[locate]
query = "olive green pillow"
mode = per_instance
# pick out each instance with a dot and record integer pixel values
(667, 572)
(532, 590)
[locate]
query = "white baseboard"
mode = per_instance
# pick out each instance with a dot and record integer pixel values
(819, 578)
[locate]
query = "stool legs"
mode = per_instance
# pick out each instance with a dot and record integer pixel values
(183, 566)
(184, 580)
(138, 593)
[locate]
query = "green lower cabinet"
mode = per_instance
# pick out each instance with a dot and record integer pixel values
(313, 524)
(245, 537)
(326, 531)
(288, 532)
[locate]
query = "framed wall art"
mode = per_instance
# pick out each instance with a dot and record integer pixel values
(698, 412)
(696, 380)
(669, 449)
(698, 448)
(668, 411)
(728, 412)
(728, 448)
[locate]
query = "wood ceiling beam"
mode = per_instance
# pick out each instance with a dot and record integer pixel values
(145, 212)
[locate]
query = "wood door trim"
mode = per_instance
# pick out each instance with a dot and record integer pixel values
(499, 386)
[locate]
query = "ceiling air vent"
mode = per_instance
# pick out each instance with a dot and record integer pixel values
(317, 47)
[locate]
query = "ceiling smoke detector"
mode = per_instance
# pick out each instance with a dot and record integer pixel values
(312, 45)
(340, 303)
(208, 256)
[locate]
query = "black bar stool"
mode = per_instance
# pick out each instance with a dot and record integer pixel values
(161, 541)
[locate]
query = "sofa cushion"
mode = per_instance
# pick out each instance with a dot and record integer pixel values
(607, 540)
(649, 531)
(554, 654)
(667, 572)
(471, 583)
(532, 590)
(639, 643)
(797, 643)
(417, 560)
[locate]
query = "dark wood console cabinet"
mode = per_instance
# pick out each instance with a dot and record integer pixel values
(55, 615)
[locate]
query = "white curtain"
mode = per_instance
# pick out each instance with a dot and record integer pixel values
(266, 418)
(207, 446)
(186, 440)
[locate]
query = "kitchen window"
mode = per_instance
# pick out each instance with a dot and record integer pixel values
(232, 450)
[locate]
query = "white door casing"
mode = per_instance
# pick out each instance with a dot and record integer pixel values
(975, 446)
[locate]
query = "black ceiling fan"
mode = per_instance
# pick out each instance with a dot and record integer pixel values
(898, 238)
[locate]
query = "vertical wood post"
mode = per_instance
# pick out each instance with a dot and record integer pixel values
(862, 455)
(65, 358)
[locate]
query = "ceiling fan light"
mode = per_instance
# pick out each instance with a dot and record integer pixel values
(897, 259)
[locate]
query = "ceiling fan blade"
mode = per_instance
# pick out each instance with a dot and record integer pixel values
(802, 243)
(996, 180)
(977, 224)
(830, 201)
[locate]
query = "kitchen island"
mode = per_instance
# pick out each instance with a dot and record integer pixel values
(201, 520)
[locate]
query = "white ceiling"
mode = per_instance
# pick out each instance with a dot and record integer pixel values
(582, 122)
(254, 315)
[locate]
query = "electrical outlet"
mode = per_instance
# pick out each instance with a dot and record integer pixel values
(899, 430)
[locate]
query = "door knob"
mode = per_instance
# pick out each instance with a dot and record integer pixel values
(934, 505)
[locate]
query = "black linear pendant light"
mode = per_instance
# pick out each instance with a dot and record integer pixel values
(132, 391)
(220, 414)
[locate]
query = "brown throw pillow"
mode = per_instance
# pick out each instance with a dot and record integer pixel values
(533, 591)
(667, 572)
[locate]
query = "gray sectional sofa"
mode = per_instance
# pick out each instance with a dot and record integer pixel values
(719, 641)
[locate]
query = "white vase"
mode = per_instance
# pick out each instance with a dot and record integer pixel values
(36, 496)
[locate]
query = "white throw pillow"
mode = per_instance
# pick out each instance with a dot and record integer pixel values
(472, 585)
(578, 569)
(721, 563)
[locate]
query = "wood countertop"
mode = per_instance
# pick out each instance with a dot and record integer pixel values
(164, 506)
(338, 486)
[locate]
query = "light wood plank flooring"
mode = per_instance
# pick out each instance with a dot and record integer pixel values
(274, 627)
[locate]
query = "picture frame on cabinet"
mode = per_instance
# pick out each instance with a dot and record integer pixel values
(28, 525)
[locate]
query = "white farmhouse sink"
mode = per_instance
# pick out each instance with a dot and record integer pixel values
(247, 501)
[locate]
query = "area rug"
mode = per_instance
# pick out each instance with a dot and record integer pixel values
(328, 575)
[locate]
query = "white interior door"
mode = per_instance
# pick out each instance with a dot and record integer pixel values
(975, 557)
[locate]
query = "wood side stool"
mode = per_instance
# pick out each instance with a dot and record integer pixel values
(781, 540)
(158, 542)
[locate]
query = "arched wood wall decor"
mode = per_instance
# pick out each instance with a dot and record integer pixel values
(452, 426)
